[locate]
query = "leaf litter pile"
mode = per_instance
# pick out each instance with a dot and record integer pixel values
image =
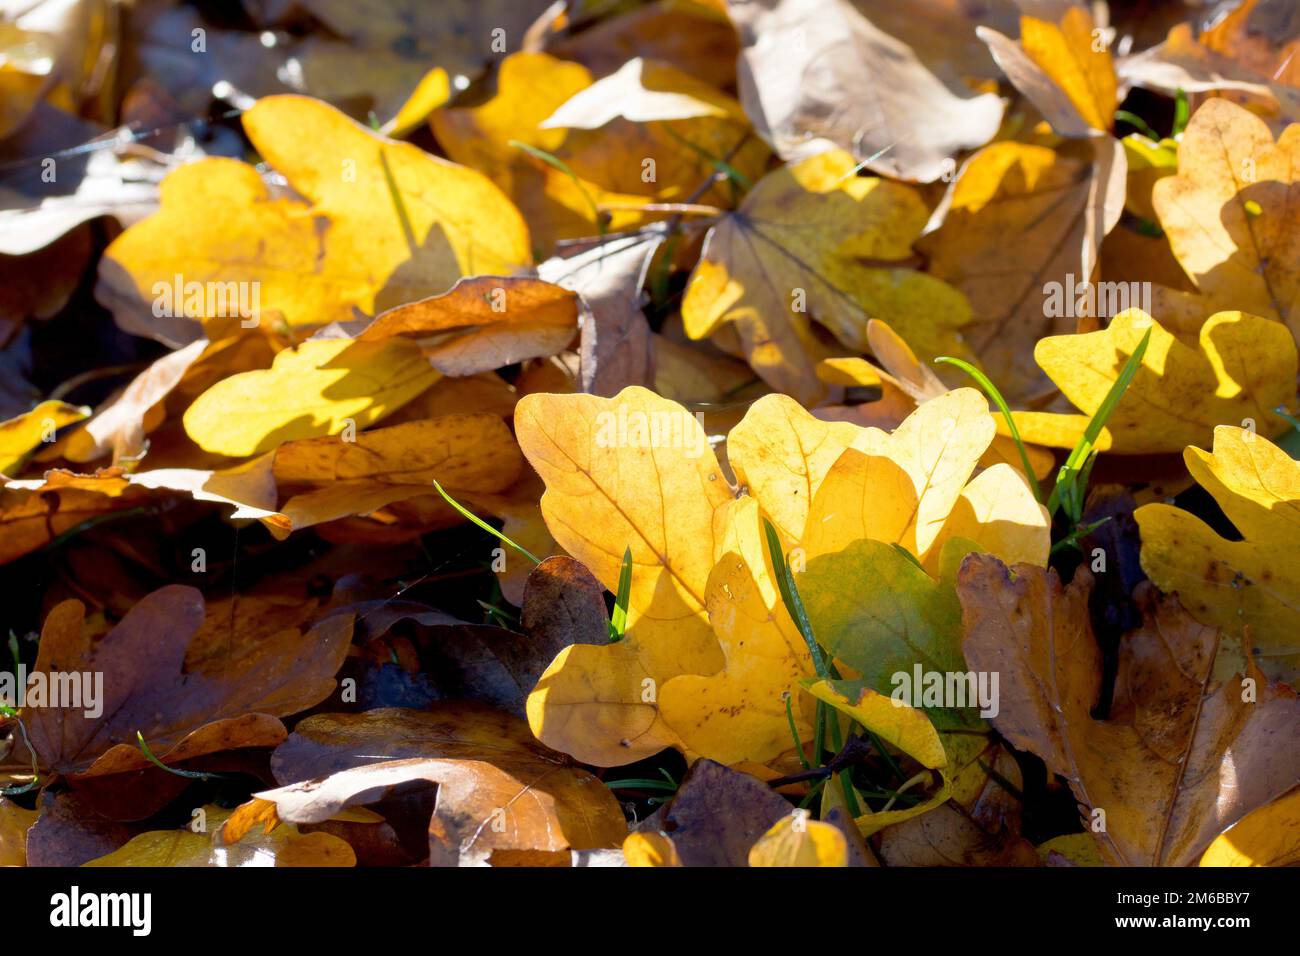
(687, 433)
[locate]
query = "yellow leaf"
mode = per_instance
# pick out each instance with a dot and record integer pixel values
(1241, 256)
(1249, 588)
(893, 721)
(792, 253)
(720, 689)
(1268, 837)
(314, 389)
(21, 435)
(650, 849)
(385, 223)
(634, 471)
(1067, 52)
(1242, 368)
(283, 846)
(781, 453)
(321, 479)
(795, 841)
(739, 714)
(433, 91)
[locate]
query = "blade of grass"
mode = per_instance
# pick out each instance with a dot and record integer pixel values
(641, 783)
(789, 595)
(794, 606)
(1182, 113)
(485, 526)
(188, 774)
(1068, 477)
(995, 396)
(618, 620)
(1138, 123)
(556, 163)
(794, 731)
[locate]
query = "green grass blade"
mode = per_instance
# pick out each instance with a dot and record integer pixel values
(995, 396)
(1138, 123)
(485, 526)
(556, 163)
(618, 620)
(790, 596)
(1182, 112)
(188, 774)
(1077, 465)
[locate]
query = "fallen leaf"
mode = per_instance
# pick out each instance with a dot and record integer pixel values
(800, 842)
(1240, 369)
(285, 846)
(484, 323)
(815, 241)
(1059, 68)
(717, 815)
(1248, 587)
(1052, 206)
(484, 762)
(20, 436)
(384, 223)
(314, 389)
(231, 700)
(1226, 212)
(610, 482)
(820, 75)
(1269, 836)
(1153, 768)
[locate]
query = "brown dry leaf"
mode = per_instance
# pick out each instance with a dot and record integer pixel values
(1188, 748)
(323, 479)
(979, 826)
(15, 821)
(484, 323)
(818, 75)
(718, 814)
(499, 790)
(69, 832)
(34, 513)
(563, 604)
(230, 700)
(697, 38)
(1052, 206)
(1225, 59)
(120, 425)
(616, 349)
